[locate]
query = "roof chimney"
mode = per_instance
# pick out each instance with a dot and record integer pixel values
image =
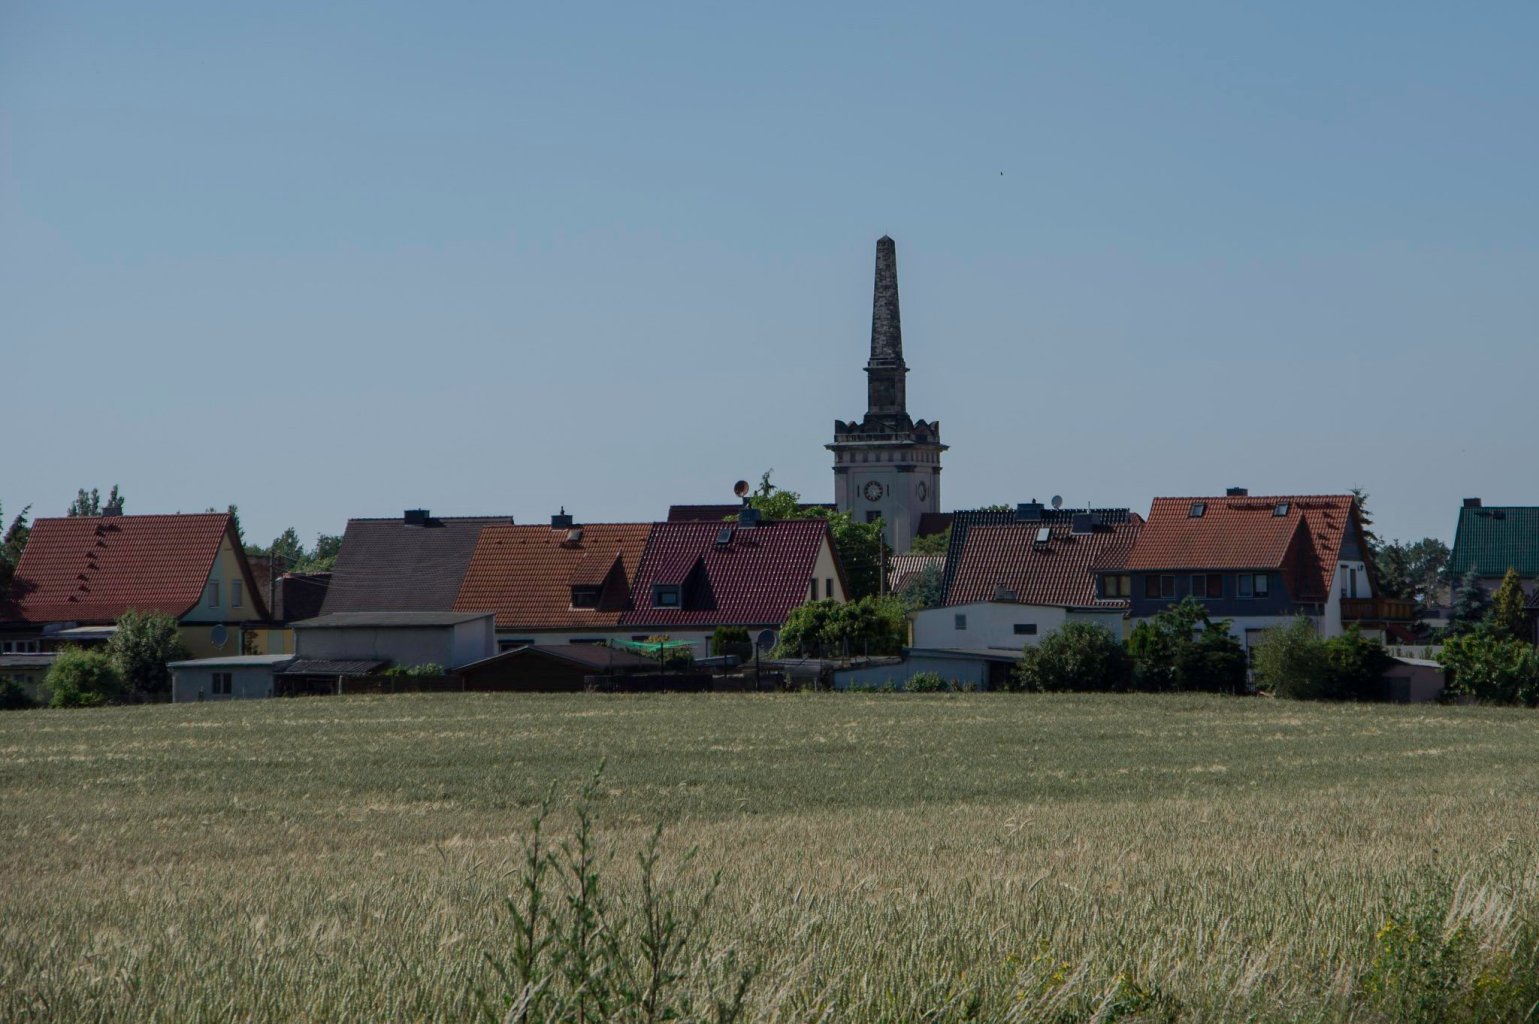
(561, 521)
(1237, 492)
(415, 517)
(1471, 502)
(1028, 512)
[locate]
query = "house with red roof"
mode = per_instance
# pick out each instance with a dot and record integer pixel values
(696, 576)
(566, 583)
(1012, 578)
(1259, 562)
(79, 574)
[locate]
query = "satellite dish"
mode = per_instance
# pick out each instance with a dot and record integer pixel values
(766, 640)
(740, 488)
(1057, 501)
(219, 635)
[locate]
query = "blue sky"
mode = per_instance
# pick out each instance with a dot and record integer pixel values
(492, 258)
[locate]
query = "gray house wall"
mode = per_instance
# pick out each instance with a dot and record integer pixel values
(246, 683)
(1230, 606)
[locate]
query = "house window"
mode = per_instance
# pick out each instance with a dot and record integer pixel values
(1208, 586)
(961, 622)
(1025, 629)
(872, 515)
(665, 596)
(828, 588)
(235, 593)
(1117, 586)
(1161, 588)
(224, 683)
(585, 597)
(19, 647)
(813, 594)
(213, 595)
(1252, 584)
(588, 640)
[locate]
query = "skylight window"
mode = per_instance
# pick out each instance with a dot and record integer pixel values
(1281, 509)
(1197, 510)
(1043, 533)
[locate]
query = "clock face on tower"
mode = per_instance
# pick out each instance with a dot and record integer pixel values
(922, 490)
(873, 491)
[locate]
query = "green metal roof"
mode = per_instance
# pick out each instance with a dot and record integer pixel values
(1497, 537)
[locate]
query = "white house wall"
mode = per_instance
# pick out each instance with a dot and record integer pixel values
(990, 624)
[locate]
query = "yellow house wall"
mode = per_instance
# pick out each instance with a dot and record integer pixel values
(825, 569)
(198, 624)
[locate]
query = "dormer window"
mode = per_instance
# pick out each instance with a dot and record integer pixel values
(585, 597)
(665, 596)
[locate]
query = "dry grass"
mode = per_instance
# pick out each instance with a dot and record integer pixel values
(883, 857)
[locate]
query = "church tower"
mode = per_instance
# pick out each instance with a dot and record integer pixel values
(887, 465)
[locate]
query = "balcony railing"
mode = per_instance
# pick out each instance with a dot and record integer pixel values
(1377, 609)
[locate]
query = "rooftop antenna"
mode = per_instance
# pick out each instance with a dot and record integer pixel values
(1057, 501)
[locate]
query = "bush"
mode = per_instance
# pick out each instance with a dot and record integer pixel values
(1356, 665)
(1487, 665)
(729, 640)
(1182, 649)
(427, 668)
(927, 682)
(823, 629)
(1290, 661)
(13, 697)
(1079, 656)
(83, 679)
(140, 649)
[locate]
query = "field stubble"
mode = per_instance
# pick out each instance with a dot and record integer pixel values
(882, 857)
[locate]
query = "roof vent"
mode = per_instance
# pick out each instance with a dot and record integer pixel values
(1082, 524)
(1497, 513)
(1471, 502)
(561, 521)
(749, 518)
(1237, 492)
(1028, 512)
(415, 517)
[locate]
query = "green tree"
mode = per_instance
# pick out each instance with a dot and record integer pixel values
(324, 555)
(924, 589)
(1365, 519)
(859, 546)
(80, 679)
(12, 544)
(1509, 614)
(1412, 571)
(140, 649)
(1079, 656)
(90, 503)
(1471, 603)
(934, 544)
(1182, 649)
(1290, 661)
(1487, 665)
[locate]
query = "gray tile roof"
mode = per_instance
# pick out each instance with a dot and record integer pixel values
(386, 566)
(332, 667)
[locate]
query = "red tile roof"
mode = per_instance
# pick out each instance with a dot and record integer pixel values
(1246, 533)
(1006, 557)
(755, 579)
(525, 574)
(92, 569)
